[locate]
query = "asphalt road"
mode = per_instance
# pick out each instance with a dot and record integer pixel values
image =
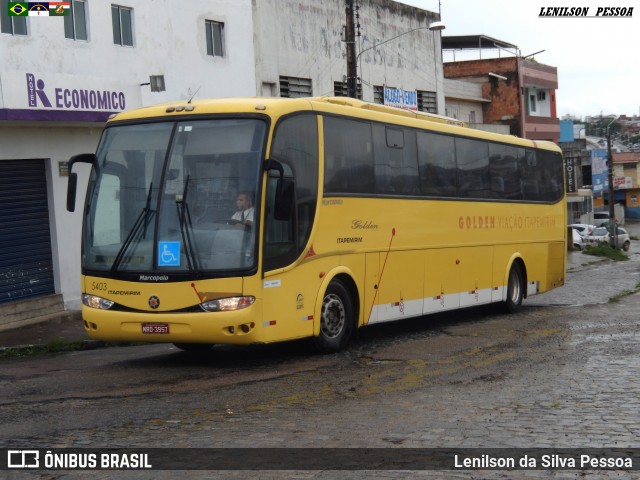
(560, 374)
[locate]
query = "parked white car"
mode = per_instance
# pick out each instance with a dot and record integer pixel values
(601, 234)
(583, 228)
(600, 217)
(578, 241)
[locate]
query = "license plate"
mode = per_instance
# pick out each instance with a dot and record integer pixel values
(155, 328)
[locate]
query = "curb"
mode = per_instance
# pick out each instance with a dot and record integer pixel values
(54, 346)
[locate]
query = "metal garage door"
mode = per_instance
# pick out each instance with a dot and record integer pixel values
(26, 268)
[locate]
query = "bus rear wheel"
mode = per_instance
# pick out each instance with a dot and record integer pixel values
(515, 288)
(336, 319)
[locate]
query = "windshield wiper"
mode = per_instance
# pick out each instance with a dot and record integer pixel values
(186, 229)
(141, 223)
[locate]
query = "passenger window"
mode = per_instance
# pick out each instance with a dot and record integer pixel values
(473, 168)
(436, 157)
(348, 157)
(395, 161)
(505, 173)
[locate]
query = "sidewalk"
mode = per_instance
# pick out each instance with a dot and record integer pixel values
(67, 331)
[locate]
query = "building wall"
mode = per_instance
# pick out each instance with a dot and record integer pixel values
(308, 44)
(505, 105)
(464, 100)
(508, 103)
(544, 125)
(169, 40)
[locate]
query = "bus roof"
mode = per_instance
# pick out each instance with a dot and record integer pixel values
(278, 106)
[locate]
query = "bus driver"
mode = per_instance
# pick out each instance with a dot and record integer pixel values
(244, 215)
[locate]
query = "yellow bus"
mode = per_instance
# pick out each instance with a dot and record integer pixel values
(245, 221)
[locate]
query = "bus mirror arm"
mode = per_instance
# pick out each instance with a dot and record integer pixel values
(72, 184)
(271, 164)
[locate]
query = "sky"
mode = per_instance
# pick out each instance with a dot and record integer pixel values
(598, 58)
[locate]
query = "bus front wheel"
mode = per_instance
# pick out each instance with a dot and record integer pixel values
(336, 318)
(515, 288)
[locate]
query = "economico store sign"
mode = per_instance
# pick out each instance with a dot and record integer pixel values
(34, 96)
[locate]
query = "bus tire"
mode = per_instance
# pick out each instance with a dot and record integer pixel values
(515, 288)
(337, 318)
(194, 347)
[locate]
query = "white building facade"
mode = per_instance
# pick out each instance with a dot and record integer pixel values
(61, 78)
(58, 85)
(301, 50)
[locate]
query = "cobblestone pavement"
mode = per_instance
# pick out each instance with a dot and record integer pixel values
(562, 374)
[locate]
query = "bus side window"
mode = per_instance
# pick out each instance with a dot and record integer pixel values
(472, 157)
(295, 147)
(505, 175)
(349, 144)
(279, 235)
(437, 164)
(395, 160)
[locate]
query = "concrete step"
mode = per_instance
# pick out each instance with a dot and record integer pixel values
(23, 312)
(64, 326)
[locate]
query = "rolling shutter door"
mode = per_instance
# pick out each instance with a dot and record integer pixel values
(26, 268)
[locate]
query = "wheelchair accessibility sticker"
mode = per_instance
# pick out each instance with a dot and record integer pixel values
(168, 254)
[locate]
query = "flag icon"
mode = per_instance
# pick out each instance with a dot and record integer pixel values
(18, 9)
(38, 9)
(59, 9)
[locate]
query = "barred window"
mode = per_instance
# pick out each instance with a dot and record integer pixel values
(427, 101)
(293, 87)
(341, 89)
(378, 94)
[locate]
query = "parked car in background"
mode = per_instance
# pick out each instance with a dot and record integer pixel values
(600, 217)
(583, 228)
(578, 241)
(601, 234)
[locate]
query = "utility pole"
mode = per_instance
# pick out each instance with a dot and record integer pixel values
(613, 234)
(350, 40)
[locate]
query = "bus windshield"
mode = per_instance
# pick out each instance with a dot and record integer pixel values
(175, 197)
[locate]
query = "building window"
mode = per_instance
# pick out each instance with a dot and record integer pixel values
(341, 89)
(427, 101)
(378, 94)
(532, 104)
(293, 87)
(122, 21)
(214, 34)
(11, 25)
(75, 24)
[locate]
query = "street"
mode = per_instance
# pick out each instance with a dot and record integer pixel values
(560, 374)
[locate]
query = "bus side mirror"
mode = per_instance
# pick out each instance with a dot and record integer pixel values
(284, 199)
(285, 191)
(72, 186)
(72, 183)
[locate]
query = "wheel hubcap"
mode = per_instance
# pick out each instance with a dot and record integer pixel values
(515, 288)
(333, 316)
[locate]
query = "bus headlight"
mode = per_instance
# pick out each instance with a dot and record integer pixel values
(94, 301)
(227, 304)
